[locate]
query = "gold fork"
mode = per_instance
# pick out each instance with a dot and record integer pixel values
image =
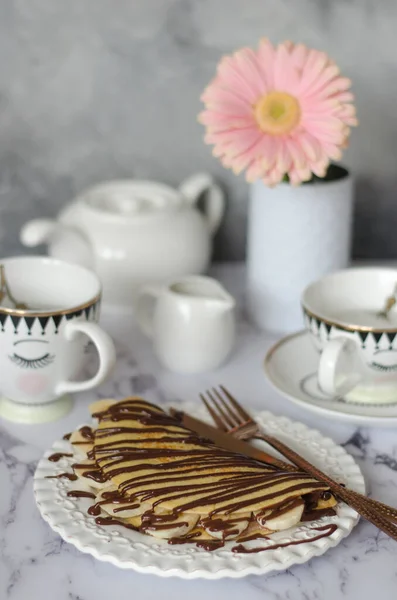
(232, 418)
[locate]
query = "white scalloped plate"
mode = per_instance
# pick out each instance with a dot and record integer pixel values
(133, 550)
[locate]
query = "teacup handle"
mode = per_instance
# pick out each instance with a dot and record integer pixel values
(106, 351)
(214, 204)
(339, 370)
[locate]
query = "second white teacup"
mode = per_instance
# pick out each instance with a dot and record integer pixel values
(358, 347)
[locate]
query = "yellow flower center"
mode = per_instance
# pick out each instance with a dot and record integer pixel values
(277, 113)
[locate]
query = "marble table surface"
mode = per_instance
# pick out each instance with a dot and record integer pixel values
(36, 563)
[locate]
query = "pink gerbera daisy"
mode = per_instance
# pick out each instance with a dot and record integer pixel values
(278, 111)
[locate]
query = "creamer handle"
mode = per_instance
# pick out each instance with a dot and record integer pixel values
(214, 200)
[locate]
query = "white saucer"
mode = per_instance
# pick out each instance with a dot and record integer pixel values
(291, 367)
(33, 414)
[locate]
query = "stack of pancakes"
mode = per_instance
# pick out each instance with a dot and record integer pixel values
(150, 473)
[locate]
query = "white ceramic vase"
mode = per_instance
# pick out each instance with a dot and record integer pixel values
(295, 236)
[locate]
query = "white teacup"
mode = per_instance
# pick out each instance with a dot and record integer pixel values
(42, 348)
(358, 347)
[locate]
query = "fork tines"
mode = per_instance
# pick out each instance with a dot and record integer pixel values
(227, 413)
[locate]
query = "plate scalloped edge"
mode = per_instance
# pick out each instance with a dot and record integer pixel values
(133, 550)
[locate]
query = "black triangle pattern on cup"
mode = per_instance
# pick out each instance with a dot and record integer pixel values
(3, 319)
(377, 337)
(57, 319)
(391, 337)
(29, 323)
(43, 322)
(363, 337)
(15, 321)
(90, 313)
(323, 330)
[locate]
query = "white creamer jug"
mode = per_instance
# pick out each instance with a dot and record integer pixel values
(191, 322)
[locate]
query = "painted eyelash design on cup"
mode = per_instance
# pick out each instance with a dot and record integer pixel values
(32, 363)
(383, 368)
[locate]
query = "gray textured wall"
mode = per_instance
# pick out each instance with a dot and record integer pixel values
(96, 89)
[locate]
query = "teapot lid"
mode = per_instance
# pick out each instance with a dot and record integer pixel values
(131, 197)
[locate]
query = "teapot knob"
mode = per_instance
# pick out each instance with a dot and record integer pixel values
(214, 201)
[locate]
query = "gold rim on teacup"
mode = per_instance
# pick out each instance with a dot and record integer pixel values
(348, 326)
(21, 312)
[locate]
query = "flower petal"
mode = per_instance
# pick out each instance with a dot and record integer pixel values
(329, 73)
(296, 153)
(219, 121)
(219, 96)
(299, 54)
(313, 68)
(229, 73)
(266, 58)
(255, 171)
(247, 64)
(285, 75)
(310, 146)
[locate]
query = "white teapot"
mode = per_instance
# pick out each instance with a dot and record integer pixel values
(134, 232)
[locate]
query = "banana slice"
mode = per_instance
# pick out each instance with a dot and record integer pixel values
(326, 502)
(282, 518)
(226, 527)
(89, 472)
(169, 529)
(254, 531)
(122, 510)
(198, 534)
(134, 521)
(81, 445)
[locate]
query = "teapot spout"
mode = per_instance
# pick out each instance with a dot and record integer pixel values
(64, 242)
(36, 232)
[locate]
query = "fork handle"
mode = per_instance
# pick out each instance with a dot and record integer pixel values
(365, 507)
(388, 511)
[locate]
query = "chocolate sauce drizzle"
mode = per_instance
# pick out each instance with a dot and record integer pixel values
(70, 476)
(80, 494)
(57, 456)
(151, 458)
(111, 521)
(326, 529)
(86, 432)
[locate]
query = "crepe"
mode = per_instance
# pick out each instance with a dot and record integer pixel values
(151, 473)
